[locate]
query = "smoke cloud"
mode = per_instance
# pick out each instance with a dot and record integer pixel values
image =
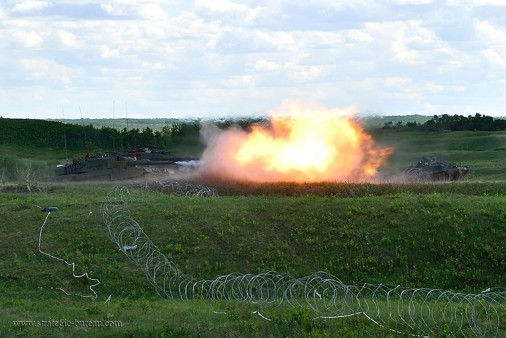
(304, 142)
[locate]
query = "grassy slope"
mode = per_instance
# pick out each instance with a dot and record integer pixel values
(452, 239)
(378, 121)
(483, 152)
(41, 160)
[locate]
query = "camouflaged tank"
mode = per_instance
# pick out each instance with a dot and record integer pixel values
(433, 169)
(98, 168)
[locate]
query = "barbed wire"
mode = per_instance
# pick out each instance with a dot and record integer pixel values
(186, 189)
(411, 311)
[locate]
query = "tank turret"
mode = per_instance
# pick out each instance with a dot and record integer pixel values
(433, 169)
(99, 168)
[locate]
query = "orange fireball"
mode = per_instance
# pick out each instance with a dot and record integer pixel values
(303, 143)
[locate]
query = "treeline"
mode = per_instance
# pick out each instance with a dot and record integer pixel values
(447, 122)
(58, 135)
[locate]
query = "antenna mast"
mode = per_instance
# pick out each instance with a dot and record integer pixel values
(84, 128)
(126, 115)
(113, 127)
(64, 136)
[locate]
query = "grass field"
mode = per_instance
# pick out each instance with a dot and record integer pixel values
(435, 235)
(448, 236)
(483, 152)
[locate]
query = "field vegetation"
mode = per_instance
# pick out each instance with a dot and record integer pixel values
(476, 141)
(450, 238)
(430, 235)
(41, 145)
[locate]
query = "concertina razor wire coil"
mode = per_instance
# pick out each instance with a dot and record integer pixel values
(412, 311)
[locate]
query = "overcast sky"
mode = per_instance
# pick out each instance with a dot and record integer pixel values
(218, 58)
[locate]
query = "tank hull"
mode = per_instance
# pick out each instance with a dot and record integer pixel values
(113, 174)
(100, 168)
(432, 169)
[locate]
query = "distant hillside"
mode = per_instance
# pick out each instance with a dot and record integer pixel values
(58, 135)
(154, 124)
(90, 134)
(178, 136)
(376, 121)
(157, 124)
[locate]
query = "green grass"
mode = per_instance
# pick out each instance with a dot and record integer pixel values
(484, 152)
(42, 161)
(448, 236)
(436, 235)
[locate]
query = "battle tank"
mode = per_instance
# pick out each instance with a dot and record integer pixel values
(155, 157)
(99, 168)
(433, 169)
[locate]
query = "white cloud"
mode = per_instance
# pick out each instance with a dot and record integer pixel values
(43, 71)
(152, 12)
(28, 39)
(157, 66)
(242, 40)
(277, 40)
(64, 77)
(224, 9)
(475, 3)
(240, 81)
(398, 38)
(403, 54)
(453, 64)
(209, 95)
(266, 66)
(36, 68)
(221, 6)
(494, 57)
(459, 89)
(344, 4)
(396, 81)
(408, 42)
(356, 35)
(407, 93)
(106, 52)
(492, 34)
(434, 88)
(69, 39)
(114, 9)
(411, 2)
(433, 109)
(319, 38)
(27, 6)
(214, 56)
(402, 88)
(494, 40)
(154, 30)
(303, 73)
(3, 12)
(188, 25)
